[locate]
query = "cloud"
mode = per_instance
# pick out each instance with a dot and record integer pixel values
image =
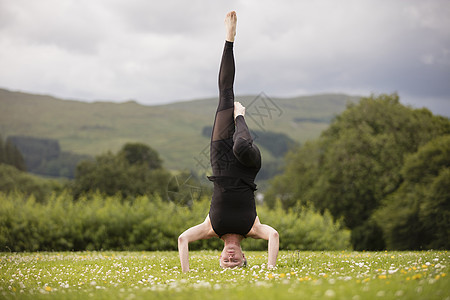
(157, 52)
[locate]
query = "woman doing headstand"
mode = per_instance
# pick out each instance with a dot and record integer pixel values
(235, 161)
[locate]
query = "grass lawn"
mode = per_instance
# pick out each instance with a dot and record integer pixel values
(157, 275)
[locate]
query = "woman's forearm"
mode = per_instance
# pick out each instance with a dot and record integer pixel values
(273, 249)
(183, 251)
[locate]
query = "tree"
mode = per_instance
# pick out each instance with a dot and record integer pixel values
(417, 215)
(137, 153)
(300, 174)
(356, 163)
(10, 155)
(135, 170)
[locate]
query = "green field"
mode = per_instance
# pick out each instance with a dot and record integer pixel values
(150, 275)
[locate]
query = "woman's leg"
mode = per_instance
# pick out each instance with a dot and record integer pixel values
(221, 151)
(224, 121)
(245, 151)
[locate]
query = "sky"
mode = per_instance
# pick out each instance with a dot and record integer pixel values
(156, 52)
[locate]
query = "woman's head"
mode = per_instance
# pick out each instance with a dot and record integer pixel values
(232, 256)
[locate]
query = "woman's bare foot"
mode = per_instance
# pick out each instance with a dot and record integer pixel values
(230, 26)
(239, 109)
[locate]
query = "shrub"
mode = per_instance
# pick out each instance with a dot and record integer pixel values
(96, 222)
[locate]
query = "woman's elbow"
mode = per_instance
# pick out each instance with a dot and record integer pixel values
(274, 235)
(182, 239)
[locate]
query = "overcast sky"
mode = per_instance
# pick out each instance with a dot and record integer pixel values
(164, 51)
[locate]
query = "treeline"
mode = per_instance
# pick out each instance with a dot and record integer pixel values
(96, 222)
(44, 156)
(383, 168)
(135, 170)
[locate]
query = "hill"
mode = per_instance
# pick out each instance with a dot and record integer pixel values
(174, 130)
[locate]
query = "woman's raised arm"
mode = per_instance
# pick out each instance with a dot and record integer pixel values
(263, 231)
(198, 232)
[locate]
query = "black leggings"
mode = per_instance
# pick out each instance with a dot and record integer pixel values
(230, 141)
(224, 121)
(235, 160)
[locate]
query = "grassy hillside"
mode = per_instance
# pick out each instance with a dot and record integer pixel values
(174, 130)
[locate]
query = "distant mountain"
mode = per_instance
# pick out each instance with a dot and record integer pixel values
(174, 130)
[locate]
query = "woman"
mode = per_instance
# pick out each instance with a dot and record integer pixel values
(235, 161)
